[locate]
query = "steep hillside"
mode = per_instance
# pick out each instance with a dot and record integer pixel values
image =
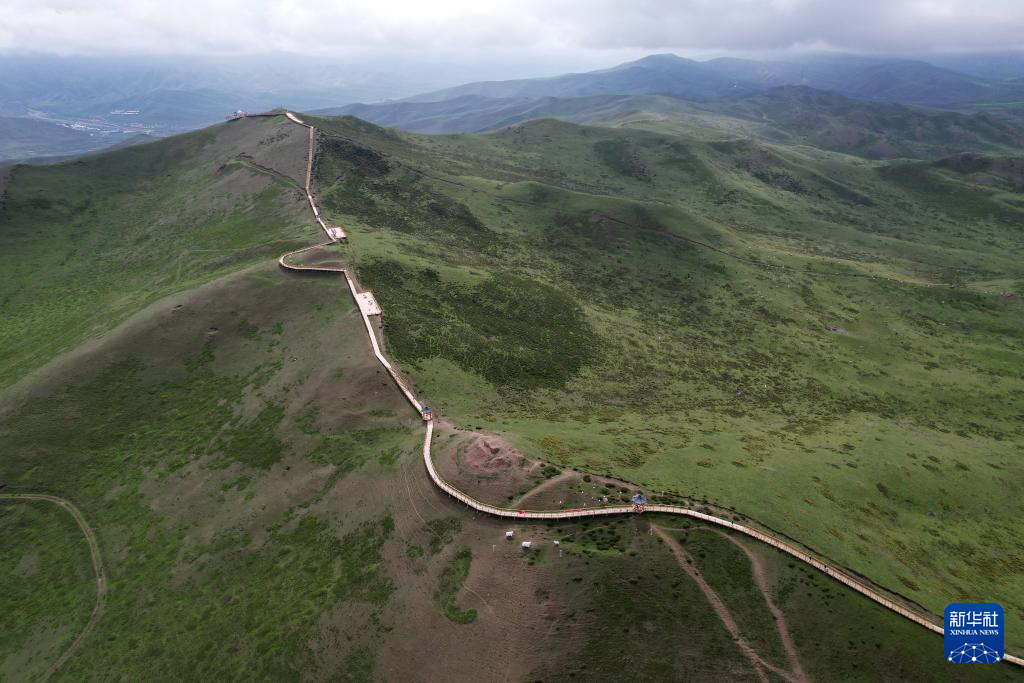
(251, 475)
(987, 169)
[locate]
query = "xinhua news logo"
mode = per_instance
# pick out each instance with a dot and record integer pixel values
(974, 632)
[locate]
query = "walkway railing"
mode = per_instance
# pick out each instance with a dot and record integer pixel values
(790, 549)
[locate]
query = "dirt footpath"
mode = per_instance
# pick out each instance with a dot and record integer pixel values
(761, 579)
(97, 567)
(759, 664)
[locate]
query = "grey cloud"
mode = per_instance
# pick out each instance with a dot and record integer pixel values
(141, 26)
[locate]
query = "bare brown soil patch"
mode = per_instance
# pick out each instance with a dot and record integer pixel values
(493, 471)
(488, 455)
(511, 635)
(483, 465)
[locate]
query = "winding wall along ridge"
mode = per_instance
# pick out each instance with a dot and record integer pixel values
(836, 573)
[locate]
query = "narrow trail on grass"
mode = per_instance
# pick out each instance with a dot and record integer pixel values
(761, 579)
(862, 585)
(686, 564)
(544, 486)
(97, 567)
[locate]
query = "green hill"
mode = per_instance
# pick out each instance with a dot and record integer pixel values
(871, 129)
(741, 323)
(112, 233)
(809, 338)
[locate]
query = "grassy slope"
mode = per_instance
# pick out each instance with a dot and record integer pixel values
(638, 616)
(255, 486)
(195, 437)
(883, 447)
(244, 462)
(838, 635)
(241, 456)
(48, 586)
(112, 233)
(804, 116)
(177, 438)
(641, 617)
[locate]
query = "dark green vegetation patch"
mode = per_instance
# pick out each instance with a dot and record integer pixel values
(515, 332)
(450, 583)
(47, 584)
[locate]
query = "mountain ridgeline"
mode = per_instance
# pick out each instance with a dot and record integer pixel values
(870, 108)
(906, 81)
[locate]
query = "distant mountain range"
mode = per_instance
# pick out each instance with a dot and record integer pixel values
(872, 106)
(865, 106)
(904, 81)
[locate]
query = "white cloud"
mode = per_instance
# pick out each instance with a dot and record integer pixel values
(148, 26)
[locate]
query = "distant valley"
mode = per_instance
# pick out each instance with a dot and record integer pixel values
(34, 140)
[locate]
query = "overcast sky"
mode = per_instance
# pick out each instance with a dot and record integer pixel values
(686, 26)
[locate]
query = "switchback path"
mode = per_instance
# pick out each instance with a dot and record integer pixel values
(97, 567)
(859, 584)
